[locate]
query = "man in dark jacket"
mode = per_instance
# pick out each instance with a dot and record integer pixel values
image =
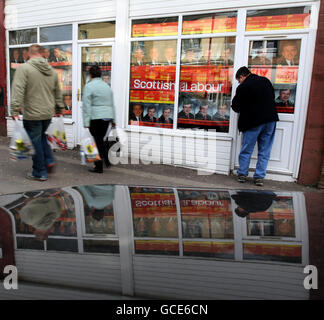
(254, 101)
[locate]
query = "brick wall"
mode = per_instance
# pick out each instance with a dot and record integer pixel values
(313, 147)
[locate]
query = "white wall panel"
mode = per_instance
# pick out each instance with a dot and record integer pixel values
(176, 278)
(21, 14)
(158, 7)
(91, 271)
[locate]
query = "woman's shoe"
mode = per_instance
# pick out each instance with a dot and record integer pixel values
(96, 170)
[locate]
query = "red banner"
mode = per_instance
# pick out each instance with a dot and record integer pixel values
(204, 122)
(272, 249)
(157, 245)
(280, 22)
(155, 29)
(263, 71)
(210, 25)
(286, 74)
(208, 247)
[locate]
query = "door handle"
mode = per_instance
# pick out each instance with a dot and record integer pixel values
(78, 95)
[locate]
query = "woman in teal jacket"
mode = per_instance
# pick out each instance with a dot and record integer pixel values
(98, 110)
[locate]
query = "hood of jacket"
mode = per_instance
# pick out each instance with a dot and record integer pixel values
(41, 65)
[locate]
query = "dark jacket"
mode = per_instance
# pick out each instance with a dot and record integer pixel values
(254, 101)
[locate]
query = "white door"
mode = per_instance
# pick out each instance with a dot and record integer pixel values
(281, 60)
(89, 55)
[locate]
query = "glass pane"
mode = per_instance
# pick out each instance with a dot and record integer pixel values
(206, 214)
(100, 56)
(29, 243)
(278, 19)
(97, 30)
(60, 58)
(221, 250)
(45, 213)
(278, 60)
(206, 77)
(98, 208)
(62, 245)
(164, 247)
(152, 83)
(57, 33)
(272, 252)
(17, 57)
(209, 23)
(101, 246)
(23, 36)
(154, 212)
(155, 27)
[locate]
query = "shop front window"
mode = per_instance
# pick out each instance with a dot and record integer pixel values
(278, 19)
(17, 57)
(205, 83)
(56, 33)
(153, 70)
(60, 58)
(96, 30)
(278, 60)
(155, 27)
(23, 36)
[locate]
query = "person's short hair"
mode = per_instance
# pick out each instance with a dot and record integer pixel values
(204, 103)
(166, 108)
(137, 104)
(98, 214)
(281, 90)
(243, 71)
(150, 108)
(95, 71)
(186, 102)
(35, 49)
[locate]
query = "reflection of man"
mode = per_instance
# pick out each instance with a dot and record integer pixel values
(186, 108)
(15, 56)
(106, 78)
(41, 214)
(170, 54)
(137, 114)
(252, 201)
(150, 115)
(225, 58)
(203, 112)
(283, 99)
(288, 55)
(207, 58)
(106, 57)
(139, 56)
(154, 55)
(165, 118)
(254, 101)
(221, 115)
(67, 99)
(57, 55)
(190, 57)
(25, 55)
(261, 59)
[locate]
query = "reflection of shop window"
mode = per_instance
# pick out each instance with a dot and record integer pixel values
(23, 36)
(45, 220)
(96, 30)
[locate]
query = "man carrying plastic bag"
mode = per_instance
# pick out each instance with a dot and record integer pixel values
(36, 90)
(20, 145)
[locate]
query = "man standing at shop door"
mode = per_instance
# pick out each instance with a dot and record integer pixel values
(255, 102)
(36, 89)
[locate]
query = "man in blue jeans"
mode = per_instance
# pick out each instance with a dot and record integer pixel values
(255, 102)
(36, 90)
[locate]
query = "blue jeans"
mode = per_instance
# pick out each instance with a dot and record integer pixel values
(264, 135)
(43, 154)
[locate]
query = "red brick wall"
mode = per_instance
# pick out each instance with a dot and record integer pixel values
(313, 147)
(3, 86)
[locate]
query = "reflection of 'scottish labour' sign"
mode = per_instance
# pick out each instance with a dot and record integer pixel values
(286, 74)
(153, 96)
(263, 72)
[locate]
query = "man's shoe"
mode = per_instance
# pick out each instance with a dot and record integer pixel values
(96, 170)
(258, 182)
(31, 177)
(241, 178)
(51, 168)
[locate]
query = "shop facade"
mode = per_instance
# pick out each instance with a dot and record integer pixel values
(171, 65)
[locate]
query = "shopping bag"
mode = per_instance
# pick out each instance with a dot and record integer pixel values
(122, 136)
(88, 149)
(20, 145)
(56, 134)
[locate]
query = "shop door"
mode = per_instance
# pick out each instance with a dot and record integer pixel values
(7, 252)
(89, 55)
(280, 59)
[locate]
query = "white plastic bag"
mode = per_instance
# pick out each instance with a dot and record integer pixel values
(56, 134)
(88, 149)
(122, 136)
(20, 145)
